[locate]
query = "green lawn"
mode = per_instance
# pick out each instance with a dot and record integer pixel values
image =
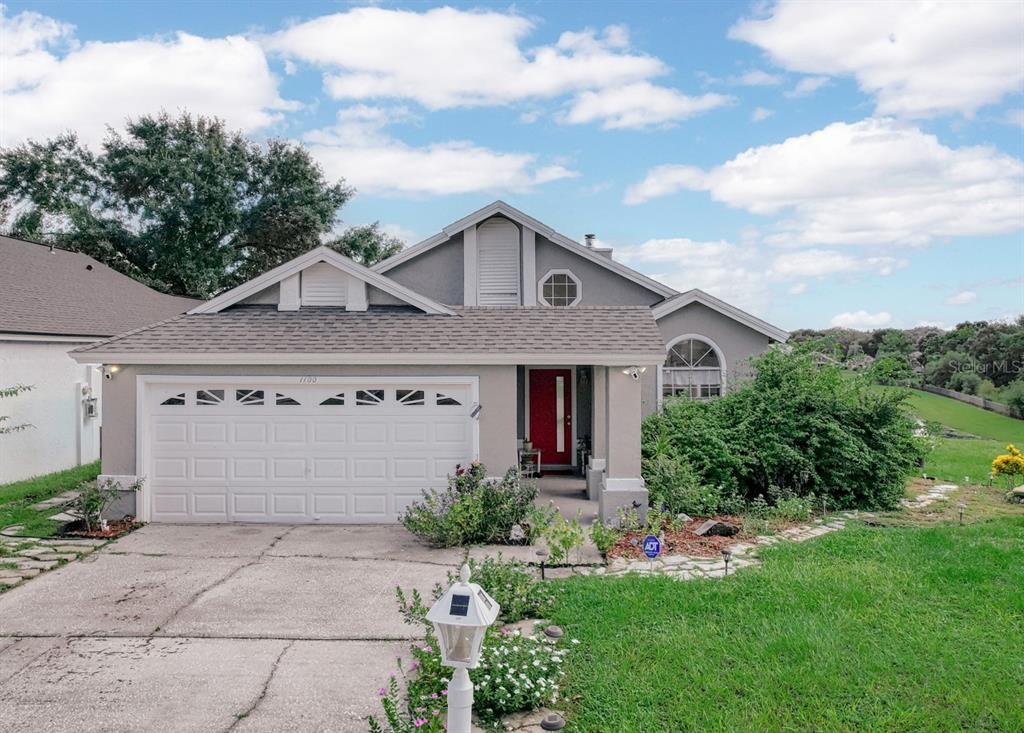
(868, 629)
(16, 497)
(966, 418)
(955, 458)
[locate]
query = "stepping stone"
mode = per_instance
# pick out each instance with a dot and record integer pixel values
(64, 517)
(39, 564)
(47, 556)
(6, 579)
(27, 573)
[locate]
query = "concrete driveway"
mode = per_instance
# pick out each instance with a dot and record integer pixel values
(214, 628)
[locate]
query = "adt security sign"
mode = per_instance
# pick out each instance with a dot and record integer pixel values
(652, 546)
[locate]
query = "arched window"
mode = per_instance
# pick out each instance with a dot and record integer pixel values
(693, 368)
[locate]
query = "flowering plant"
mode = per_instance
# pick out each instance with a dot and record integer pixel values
(1009, 464)
(402, 718)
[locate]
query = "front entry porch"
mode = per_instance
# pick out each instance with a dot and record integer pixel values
(580, 426)
(569, 495)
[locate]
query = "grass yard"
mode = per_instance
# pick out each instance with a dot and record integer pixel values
(868, 629)
(955, 458)
(15, 498)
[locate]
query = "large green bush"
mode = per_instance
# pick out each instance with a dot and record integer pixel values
(796, 428)
(472, 509)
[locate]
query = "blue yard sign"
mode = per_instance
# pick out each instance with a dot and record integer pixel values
(652, 546)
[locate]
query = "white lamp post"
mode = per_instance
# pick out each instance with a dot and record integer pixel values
(460, 618)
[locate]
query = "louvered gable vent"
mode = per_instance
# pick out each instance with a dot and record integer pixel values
(498, 262)
(324, 284)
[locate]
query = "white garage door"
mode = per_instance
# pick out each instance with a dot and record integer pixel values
(300, 449)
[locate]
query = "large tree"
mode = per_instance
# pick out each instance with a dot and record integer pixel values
(180, 203)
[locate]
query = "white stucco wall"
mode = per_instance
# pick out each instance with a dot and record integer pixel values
(62, 436)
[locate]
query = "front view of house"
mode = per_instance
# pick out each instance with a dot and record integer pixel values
(327, 392)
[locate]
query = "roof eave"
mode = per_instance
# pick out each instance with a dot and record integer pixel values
(623, 359)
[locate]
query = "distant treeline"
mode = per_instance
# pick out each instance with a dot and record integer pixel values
(984, 358)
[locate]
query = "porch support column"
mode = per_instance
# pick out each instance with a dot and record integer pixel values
(622, 488)
(594, 472)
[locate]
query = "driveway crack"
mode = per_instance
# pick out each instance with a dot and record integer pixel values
(263, 692)
(216, 584)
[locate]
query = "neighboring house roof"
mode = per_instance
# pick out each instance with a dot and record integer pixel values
(314, 256)
(251, 334)
(660, 310)
(56, 292)
(500, 207)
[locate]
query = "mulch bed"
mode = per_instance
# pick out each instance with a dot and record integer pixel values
(683, 541)
(115, 528)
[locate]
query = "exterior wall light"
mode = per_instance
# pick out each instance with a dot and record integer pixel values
(634, 372)
(460, 618)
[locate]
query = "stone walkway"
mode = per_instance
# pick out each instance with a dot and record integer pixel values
(25, 557)
(744, 554)
(934, 494)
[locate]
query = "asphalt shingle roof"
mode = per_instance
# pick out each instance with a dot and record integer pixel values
(66, 293)
(479, 330)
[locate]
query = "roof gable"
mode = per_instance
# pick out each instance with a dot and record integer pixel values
(510, 212)
(309, 260)
(682, 300)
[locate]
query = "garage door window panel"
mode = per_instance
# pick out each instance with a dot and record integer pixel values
(209, 397)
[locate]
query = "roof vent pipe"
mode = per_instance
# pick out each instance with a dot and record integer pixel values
(589, 239)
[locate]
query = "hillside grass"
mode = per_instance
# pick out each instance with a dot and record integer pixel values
(967, 459)
(868, 629)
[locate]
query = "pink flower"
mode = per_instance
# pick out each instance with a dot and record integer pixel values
(444, 692)
(420, 722)
(382, 692)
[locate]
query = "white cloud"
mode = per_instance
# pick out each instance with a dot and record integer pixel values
(819, 263)
(358, 149)
(964, 297)
(724, 269)
(759, 78)
(445, 57)
(51, 83)
(919, 59)
(807, 86)
(797, 289)
(861, 320)
(639, 105)
(872, 182)
(761, 114)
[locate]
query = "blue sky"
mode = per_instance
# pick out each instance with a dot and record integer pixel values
(816, 163)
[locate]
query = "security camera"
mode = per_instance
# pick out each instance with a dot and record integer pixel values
(108, 375)
(634, 373)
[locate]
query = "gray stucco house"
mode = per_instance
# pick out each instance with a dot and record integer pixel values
(324, 391)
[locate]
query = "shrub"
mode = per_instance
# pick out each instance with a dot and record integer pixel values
(94, 498)
(1013, 395)
(806, 428)
(1009, 464)
(604, 536)
(675, 488)
(562, 537)
(512, 584)
(472, 509)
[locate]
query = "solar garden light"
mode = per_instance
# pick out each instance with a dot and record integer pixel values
(460, 618)
(542, 554)
(961, 506)
(727, 556)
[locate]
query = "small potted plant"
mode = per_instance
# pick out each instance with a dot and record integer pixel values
(527, 443)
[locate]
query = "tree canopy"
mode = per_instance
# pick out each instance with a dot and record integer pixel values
(180, 203)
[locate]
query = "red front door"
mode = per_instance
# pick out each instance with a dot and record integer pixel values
(551, 415)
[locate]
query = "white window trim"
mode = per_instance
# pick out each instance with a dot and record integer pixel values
(559, 271)
(684, 337)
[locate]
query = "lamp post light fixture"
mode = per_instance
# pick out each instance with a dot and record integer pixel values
(727, 556)
(460, 618)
